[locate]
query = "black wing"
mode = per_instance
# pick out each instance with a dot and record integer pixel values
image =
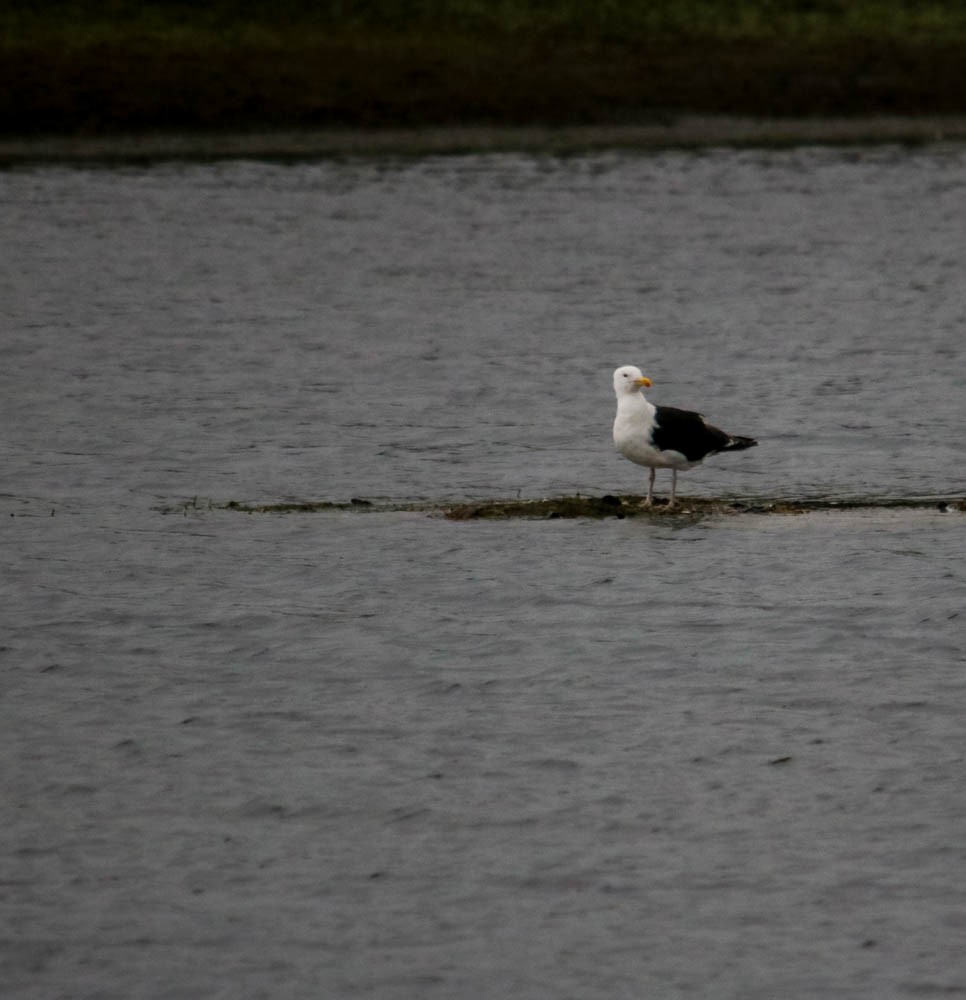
(687, 432)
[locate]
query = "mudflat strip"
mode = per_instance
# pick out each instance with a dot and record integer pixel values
(578, 506)
(689, 131)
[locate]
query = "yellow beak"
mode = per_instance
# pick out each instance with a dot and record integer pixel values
(643, 381)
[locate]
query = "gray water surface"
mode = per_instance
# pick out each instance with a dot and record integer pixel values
(386, 755)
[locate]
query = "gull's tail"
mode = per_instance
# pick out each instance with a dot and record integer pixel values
(739, 443)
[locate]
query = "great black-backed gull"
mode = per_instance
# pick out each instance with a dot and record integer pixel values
(663, 437)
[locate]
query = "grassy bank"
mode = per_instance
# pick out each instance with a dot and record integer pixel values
(77, 66)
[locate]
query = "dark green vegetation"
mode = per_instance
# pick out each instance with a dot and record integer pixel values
(82, 66)
(688, 508)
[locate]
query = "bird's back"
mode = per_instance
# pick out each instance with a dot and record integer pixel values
(690, 434)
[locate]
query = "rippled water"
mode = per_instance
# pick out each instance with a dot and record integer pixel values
(387, 755)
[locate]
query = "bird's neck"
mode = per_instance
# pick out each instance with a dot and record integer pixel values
(636, 403)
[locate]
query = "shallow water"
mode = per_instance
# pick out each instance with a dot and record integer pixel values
(387, 755)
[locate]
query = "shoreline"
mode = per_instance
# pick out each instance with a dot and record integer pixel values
(579, 506)
(679, 132)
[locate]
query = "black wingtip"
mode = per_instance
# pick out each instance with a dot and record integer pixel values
(740, 443)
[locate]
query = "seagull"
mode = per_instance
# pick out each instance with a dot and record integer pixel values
(663, 437)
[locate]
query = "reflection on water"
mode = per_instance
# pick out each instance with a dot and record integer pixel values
(391, 755)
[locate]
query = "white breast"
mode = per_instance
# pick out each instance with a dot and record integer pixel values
(633, 427)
